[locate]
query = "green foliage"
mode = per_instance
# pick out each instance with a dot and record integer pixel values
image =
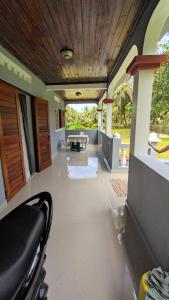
(122, 107)
(124, 133)
(125, 137)
(87, 119)
(160, 103)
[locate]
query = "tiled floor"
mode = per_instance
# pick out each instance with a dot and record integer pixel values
(85, 257)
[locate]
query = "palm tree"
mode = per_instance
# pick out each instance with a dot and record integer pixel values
(123, 96)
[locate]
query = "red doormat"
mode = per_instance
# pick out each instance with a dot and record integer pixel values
(120, 187)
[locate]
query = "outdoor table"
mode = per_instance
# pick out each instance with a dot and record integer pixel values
(76, 140)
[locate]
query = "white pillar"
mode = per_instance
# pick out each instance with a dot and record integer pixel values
(142, 67)
(100, 119)
(109, 119)
(102, 116)
(108, 103)
(142, 97)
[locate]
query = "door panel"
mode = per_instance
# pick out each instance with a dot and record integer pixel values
(43, 133)
(11, 141)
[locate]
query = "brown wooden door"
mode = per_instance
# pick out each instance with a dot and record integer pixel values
(43, 133)
(11, 141)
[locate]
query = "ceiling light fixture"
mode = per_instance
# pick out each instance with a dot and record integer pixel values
(66, 53)
(78, 94)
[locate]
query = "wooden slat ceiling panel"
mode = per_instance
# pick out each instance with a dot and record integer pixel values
(85, 94)
(96, 30)
(36, 31)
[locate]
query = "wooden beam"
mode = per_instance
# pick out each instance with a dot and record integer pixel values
(108, 101)
(146, 62)
(77, 86)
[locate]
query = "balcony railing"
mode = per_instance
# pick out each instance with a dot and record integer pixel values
(114, 151)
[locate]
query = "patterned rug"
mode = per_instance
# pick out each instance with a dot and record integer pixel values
(120, 187)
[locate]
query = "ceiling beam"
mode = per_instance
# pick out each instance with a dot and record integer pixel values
(77, 86)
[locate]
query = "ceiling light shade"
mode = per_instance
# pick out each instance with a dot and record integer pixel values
(78, 94)
(66, 53)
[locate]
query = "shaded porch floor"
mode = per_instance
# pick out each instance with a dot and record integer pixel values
(86, 258)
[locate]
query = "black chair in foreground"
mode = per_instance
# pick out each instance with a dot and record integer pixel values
(23, 237)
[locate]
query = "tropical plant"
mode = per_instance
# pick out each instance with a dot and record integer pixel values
(160, 102)
(87, 119)
(122, 107)
(123, 103)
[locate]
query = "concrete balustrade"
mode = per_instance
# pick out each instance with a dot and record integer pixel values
(124, 147)
(111, 147)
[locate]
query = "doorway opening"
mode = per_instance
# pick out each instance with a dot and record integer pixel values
(27, 134)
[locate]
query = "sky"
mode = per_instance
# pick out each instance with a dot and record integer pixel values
(164, 39)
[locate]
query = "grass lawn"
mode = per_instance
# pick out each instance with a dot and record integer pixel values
(125, 136)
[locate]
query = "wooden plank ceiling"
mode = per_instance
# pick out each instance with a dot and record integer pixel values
(96, 30)
(84, 94)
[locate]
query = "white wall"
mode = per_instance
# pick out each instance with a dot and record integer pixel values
(148, 198)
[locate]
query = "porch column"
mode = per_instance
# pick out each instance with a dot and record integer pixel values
(108, 103)
(142, 68)
(100, 119)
